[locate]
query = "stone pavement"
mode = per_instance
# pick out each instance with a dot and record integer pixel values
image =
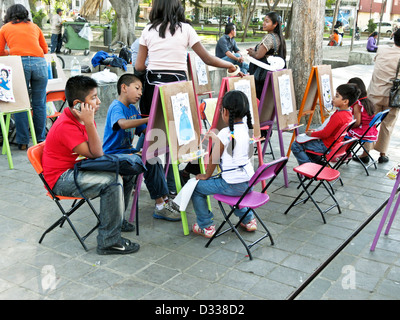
(171, 266)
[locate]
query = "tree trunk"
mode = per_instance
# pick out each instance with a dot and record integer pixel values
(126, 19)
(306, 43)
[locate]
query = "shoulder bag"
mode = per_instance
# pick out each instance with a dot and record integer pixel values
(394, 95)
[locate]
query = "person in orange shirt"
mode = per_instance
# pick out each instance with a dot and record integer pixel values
(25, 39)
(334, 38)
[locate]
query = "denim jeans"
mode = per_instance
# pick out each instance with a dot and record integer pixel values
(216, 185)
(154, 178)
(298, 149)
(114, 199)
(35, 70)
(56, 42)
(244, 67)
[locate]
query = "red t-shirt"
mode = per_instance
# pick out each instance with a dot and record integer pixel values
(58, 155)
(337, 120)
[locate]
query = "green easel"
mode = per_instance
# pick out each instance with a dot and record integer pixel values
(21, 104)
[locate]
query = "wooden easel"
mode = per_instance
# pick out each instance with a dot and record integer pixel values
(161, 137)
(230, 84)
(21, 104)
(315, 91)
(199, 74)
(271, 109)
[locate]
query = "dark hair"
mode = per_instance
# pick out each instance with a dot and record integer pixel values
(229, 27)
(238, 105)
(336, 31)
(276, 18)
(373, 34)
(126, 79)
(366, 103)
(396, 37)
(166, 12)
(16, 13)
(59, 10)
(349, 91)
(79, 87)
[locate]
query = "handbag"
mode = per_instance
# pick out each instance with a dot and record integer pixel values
(121, 164)
(394, 94)
(259, 73)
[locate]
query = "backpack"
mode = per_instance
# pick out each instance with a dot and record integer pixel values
(126, 54)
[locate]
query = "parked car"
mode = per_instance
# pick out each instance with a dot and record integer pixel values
(386, 27)
(212, 20)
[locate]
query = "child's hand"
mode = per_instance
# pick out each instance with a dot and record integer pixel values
(201, 177)
(86, 115)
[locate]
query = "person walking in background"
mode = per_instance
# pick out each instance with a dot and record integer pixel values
(371, 44)
(386, 61)
(25, 39)
(227, 49)
(56, 27)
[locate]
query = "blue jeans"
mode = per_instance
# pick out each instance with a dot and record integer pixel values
(35, 70)
(244, 67)
(114, 199)
(216, 185)
(299, 152)
(154, 178)
(56, 42)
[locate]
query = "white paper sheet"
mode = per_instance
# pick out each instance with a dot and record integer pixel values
(184, 196)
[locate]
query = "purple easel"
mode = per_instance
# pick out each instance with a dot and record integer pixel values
(389, 204)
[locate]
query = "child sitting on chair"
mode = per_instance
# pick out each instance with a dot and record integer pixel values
(73, 135)
(122, 123)
(364, 112)
(346, 95)
(233, 150)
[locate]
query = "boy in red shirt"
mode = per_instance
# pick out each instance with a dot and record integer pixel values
(346, 95)
(73, 135)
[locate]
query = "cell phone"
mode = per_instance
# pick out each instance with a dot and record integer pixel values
(77, 106)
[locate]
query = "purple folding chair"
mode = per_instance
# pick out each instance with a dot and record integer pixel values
(251, 200)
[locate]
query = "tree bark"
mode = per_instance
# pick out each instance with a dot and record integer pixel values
(306, 43)
(126, 20)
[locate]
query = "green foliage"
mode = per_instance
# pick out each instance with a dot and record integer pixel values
(371, 26)
(39, 17)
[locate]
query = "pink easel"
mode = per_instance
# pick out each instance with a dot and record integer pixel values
(389, 204)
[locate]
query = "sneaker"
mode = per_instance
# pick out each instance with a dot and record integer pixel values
(250, 226)
(127, 227)
(206, 232)
(123, 246)
(168, 212)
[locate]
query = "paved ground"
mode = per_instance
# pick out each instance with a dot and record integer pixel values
(171, 266)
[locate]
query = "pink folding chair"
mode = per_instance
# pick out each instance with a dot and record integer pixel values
(250, 199)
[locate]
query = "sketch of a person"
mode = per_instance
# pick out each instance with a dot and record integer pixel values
(4, 79)
(185, 127)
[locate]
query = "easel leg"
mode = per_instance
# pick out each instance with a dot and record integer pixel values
(32, 127)
(383, 219)
(261, 159)
(185, 224)
(6, 145)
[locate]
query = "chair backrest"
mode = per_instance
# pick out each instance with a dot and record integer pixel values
(340, 150)
(340, 134)
(378, 118)
(268, 171)
(35, 156)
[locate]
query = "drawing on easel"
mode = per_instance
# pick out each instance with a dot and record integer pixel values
(245, 87)
(183, 118)
(201, 71)
(326, 91)
(6, 88)
(285, 93)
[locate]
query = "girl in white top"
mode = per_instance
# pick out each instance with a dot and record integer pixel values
(232, 151)
(165, 41)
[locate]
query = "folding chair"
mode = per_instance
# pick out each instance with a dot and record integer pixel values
(375, 122)
(52, 96)
(251, 200)
(321, 174)
(35, 157)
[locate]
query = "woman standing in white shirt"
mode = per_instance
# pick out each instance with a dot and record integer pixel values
(165, 41)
